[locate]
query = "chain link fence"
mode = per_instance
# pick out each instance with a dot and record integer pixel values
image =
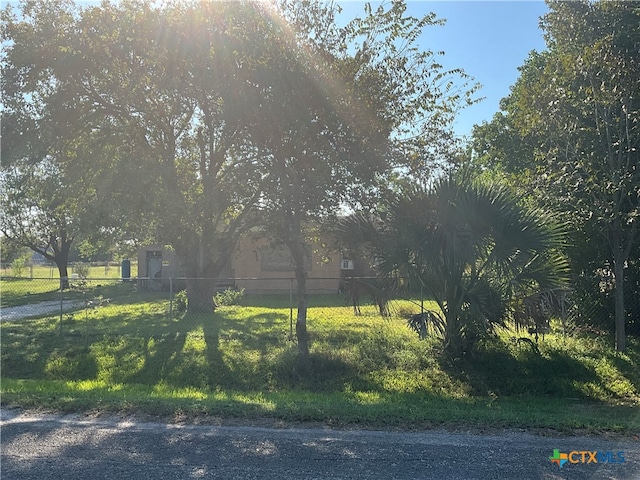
(593, 302)
(25, 297)
(589, 306)
(37, 271)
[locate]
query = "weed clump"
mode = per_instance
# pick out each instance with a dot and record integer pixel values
(228, 297)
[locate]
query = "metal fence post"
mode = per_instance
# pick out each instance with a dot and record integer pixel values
(291, 307)
(170, 298)
(61, 310)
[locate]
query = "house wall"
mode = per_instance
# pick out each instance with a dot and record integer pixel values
(262, 268)
(256, 265)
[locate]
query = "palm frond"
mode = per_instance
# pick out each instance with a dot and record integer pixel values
(470, 245)
(426, 323)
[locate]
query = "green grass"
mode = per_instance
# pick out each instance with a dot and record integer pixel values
(241, 362)
(51, 271)
(42, 283)
(25, 291)
(21, 291)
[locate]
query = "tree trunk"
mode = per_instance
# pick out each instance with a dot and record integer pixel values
(619, 258)
(297, 253)
(452, 334)
(452, 309)
(61, 258)
(620, 314)
(64, 273)
(200, 292)
(202, 264)
(301, 319)
(296, 248)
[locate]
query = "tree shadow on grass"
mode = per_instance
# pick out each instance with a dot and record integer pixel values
(256, 332)
(275, 363)
(35, 350)
(499, 371)
(320, 372)
(168, 360)
(161, 353)
(218, 372)
(240, 352)
(628, 363)
(156, 351)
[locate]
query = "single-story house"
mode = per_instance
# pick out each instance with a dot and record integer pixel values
(256, 265)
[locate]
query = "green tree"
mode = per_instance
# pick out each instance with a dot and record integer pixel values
(316, 140)
(161, 93)
(9, 250)
(581, 99)
(347, 108)
(472, 246)
(220, 108)
(183, 104)
(34, 216)
(51, 199)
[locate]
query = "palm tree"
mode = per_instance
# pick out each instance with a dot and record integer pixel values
(472, 246)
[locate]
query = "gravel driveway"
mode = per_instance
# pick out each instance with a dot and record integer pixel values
(38, 309)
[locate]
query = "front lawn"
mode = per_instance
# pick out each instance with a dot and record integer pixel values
(241, 362)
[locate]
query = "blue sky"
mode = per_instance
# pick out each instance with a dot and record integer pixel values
(489, 40)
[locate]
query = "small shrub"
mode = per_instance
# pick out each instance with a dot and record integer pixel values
(180, 301)
(18, 266)
(228, 297)
(82, 269)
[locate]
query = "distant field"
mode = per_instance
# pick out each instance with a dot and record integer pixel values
(131, 356)
(51, 271)
(42, 283)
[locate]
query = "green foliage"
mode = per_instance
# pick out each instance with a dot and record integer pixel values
(228, 297)
(574, 110)
(290, 111)
(224, 298)
(10, 251)
(180, 301)
(18, 266)
(82, 269)
(342, 101)
(195, 126)
(471, 246)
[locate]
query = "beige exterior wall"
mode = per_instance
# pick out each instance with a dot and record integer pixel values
(256, 266)
(262, 268)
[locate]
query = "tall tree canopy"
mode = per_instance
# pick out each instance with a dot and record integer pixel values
(213, 111)
(575, 115)
(357, 104)
(164, 92)
(50, 198)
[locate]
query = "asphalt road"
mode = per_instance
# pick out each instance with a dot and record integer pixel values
(76, 447)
